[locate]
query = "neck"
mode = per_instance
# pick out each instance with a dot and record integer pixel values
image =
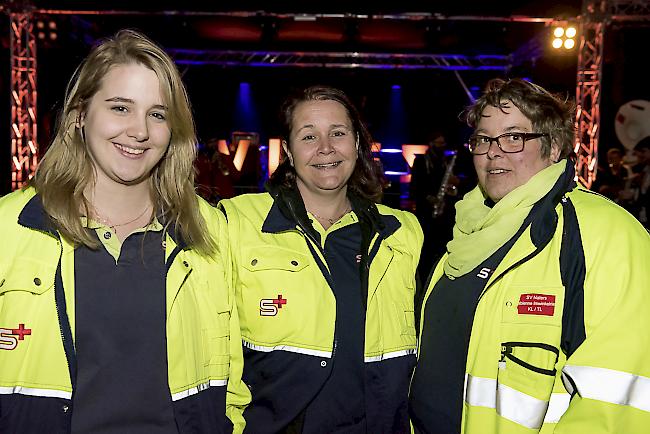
(327, 207)
(117, 202)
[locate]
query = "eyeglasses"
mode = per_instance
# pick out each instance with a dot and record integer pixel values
(509, 143)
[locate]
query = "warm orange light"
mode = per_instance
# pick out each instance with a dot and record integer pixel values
(558, 32)
(376, 147)
(571, 32)
(240, 153)
(274, 155)
(569, 44)
(557, 43)
(222, 146)
(410, 151)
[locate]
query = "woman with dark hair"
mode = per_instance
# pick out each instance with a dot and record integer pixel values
(325, 279)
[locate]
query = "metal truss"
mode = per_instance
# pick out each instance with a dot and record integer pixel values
(454, 62)
(24, 148)
(596, 15)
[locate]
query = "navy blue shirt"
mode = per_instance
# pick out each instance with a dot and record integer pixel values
(122, 382)
(347, 378)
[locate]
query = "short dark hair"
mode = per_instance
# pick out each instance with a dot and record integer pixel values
(366, 179)
(547, 113)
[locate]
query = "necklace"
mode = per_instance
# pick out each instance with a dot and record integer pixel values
(106, 222)
(334, 219)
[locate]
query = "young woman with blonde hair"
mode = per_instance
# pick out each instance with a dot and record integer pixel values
(117, 301)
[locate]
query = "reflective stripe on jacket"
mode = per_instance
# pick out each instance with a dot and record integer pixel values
(38, 369)
(289, 352)
(560, 338)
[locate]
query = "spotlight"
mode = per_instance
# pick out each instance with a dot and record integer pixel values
(563, 36)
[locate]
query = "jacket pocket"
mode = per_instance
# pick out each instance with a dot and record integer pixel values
(528, 367)
(26, 276)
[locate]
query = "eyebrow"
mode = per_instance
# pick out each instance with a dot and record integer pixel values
(516, 128)
(130, 101)
(331, 126)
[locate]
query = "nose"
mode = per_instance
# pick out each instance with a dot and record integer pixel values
(324, 146)
(494, 150)
(138, 129)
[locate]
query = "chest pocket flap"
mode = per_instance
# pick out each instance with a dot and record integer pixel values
(274, 258)
(26, 275)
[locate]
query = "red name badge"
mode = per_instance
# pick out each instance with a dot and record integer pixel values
(536, 304)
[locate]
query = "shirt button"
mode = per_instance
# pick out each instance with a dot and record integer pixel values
(65, 408)
(254, 262)
(186, 264)
(37, 281)
(107, 235)
(323, 363)
(294, 263)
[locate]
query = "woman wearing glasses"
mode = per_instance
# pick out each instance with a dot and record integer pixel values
(536, 318)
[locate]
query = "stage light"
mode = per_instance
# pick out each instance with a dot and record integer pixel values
(563, 36)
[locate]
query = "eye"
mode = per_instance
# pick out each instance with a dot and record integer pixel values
(159, 116)
(339, 133)
(119, 108)
(308, 137)
(482, 140)
(513, 137)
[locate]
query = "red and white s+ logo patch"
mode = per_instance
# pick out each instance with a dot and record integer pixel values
(9, 337)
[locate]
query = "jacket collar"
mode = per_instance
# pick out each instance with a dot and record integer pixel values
(34, 216)
(543, 216)
(288, 210)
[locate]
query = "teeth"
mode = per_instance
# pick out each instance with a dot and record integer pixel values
(496, 171)
(131, 151)
(327, 165)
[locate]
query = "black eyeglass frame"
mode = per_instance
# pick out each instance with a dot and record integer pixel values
(525, 137)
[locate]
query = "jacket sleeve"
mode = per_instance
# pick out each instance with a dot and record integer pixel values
(238, 395)
(608, 374)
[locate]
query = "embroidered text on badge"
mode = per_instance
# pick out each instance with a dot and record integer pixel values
(536, 304)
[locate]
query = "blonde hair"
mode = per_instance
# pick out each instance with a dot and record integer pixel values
(66, 169)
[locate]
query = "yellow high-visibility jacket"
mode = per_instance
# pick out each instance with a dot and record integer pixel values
(37, 370)
(579, 363)
(288, 312)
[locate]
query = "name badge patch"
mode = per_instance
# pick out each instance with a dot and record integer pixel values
(536, 304)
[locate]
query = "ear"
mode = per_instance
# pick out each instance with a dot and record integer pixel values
(286, 151)
(555, 152)
(81, 120)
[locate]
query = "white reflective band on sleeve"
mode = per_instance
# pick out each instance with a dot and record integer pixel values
(392, 355)
(611, 386)
(508, 402)
(194, 390)
(317, 353)
(48, 393)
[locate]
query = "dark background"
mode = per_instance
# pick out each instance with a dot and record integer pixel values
(430, 99)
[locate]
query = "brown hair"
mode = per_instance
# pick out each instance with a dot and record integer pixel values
(547, 113)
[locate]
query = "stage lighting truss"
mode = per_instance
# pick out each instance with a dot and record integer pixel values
(452, 62)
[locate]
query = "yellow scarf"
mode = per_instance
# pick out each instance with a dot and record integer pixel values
(480, 230)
